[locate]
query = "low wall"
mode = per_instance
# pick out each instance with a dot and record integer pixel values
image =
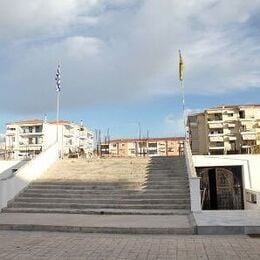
(6, 164)
(12, 185)
(194, 181)
(250, 170)
(7, 168)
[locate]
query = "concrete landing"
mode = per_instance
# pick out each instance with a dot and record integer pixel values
(127, 224)
(227, 222)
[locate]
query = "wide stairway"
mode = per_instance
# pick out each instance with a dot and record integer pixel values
(125, 195)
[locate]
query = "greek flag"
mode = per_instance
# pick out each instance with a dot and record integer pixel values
(57, 78)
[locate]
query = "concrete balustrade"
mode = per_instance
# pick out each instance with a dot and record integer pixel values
(11, 185)
(194, 181)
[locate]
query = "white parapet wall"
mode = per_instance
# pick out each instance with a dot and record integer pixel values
(250, 169)
(11, 185)
(6, 164)
(10, 166)
(194, 181)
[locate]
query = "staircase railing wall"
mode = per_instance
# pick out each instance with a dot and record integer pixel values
(194, 180)
(10, 186)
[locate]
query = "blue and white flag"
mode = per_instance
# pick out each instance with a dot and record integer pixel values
(57, 78)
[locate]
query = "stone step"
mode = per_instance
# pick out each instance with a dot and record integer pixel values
(114, 201)
(110, 187)
(113, 184)
(178, 190)
(86, 206)
(117, 224)
(100, 211)
(101, 180)
(167, 170)
(108, 196)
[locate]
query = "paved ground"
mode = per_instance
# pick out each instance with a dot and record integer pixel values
(51, 245)
(228, 221)
(144, 224)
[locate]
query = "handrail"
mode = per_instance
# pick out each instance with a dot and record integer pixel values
(189, 161)
(194, 180)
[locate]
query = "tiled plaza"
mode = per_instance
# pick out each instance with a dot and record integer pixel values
(57, 245)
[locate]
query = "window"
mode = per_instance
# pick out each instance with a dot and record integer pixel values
(242, 114)
(38, 129)
(230, 115)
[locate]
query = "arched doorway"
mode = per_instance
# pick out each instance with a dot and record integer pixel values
(221, 187)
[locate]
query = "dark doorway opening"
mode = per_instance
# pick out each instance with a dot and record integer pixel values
(221, 187)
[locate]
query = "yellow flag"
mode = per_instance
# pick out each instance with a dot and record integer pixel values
(181, 67)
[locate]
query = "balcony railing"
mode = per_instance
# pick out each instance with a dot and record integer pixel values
(248, 135)
(216, 138)
(213, 125)
(216, 146)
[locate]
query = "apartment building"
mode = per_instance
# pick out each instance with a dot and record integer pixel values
(227, 129)
(28, 138)
(168, 146)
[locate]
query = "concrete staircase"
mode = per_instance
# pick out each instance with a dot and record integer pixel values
(155, 189)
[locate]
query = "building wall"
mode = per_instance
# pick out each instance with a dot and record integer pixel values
(71, 137)
(250, 170)
(223, 130)
(144, 147)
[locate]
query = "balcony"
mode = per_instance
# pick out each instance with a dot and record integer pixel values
(216, 138)
(68, 133)
(216, 147)
(231, 138)
(248, 135)
(230, 119)
(247, 119)
(219, 145)
(31, 133)
(213, 124)
(29, 147)
(230, 125)
(10, 132)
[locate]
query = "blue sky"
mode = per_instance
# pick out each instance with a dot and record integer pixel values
(119, 60)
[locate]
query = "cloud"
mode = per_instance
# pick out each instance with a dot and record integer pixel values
(173, 125)
(124, 50)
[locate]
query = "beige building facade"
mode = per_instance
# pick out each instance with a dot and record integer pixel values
(228, 129)
(28, 138)
(168, 146)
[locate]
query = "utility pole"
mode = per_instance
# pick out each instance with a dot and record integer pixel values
(140, 137)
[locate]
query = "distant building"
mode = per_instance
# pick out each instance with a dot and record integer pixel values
(2, 146)
(29, 137)
(227, 129)
(167, 146)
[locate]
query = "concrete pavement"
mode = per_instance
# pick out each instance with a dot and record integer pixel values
(55, 245)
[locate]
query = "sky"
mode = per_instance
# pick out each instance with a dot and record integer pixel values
(119, 60)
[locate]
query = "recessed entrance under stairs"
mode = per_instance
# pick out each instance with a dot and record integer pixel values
(221, 187)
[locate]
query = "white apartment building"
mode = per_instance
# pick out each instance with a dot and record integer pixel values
(28, 138)
(227, 129)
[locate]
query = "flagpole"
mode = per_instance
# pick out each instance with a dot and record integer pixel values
(57, 115)
(183, 108)
(181, 69)
(58, 87)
